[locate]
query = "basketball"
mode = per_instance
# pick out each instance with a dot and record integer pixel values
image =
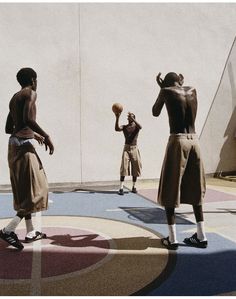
(117, 108)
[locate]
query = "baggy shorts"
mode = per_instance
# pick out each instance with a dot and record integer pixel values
(131, 159)
(28, 180)
(182, 176)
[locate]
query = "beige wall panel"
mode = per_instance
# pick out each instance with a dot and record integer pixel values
(123, 47)
(45, 37)
(91, 55)
(218, 136)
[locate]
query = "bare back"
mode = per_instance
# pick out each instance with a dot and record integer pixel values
(181, 104)
(21, 120)
(17, 107)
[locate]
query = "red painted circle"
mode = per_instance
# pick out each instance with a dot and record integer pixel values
(64, 251)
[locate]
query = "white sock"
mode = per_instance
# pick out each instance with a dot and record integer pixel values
(11, 227)
(31, 232)
(121, 185)
(29, 225)
(172, 233)
(134, 184)
(201, 231)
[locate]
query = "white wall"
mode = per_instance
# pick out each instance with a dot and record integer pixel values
(218, 137)
(45, 37)
(89, 56)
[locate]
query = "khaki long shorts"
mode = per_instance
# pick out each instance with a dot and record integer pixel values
(131, 159)
(28, 181)
(182, 177)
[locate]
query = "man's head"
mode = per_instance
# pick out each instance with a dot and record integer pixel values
(27, 77)
(172, 79)
(130, 117)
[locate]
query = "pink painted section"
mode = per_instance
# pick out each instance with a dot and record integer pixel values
(149, 193)
(216, 196)
(64, 251)
(72, 250)
(14, 264)
(211, 195)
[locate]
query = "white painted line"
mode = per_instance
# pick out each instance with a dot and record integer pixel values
(127, 209)
(35, 288)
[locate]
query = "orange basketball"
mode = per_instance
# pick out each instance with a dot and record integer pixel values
(117, 108)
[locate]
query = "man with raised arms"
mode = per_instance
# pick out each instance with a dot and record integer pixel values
(182, 177)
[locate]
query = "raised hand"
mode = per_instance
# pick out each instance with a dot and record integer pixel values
(159, 80)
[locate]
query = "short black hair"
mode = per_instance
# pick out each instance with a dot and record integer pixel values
(25, 76)
(170, 79)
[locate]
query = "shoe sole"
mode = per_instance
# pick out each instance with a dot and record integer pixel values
(36, 238)
(170, 247)
(17, 247)
(195, 245)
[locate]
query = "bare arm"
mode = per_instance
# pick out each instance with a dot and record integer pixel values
(135, 121)
(157, 107)
(159, 80)
(29, 113)
(118, 128)
(9, 124)
(29, 119)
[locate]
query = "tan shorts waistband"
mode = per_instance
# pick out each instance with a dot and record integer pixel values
(183, 136)
(128, 146)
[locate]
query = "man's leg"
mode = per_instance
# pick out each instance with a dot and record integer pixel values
(134, 190)
(170, 242)
(199, 238)
(12, 225)
(170, 215)
(136, 165)
(121, 191)
(32, 234)
(200, 222)
(8, 232)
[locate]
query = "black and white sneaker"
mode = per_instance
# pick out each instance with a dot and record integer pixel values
(11, 239)
(166, 242)
(195, 242)
(121, 192)
(134, 190)
(38, 236)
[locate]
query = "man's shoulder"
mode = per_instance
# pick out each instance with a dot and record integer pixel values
(28, 93)
(179, 89)
(189, 88)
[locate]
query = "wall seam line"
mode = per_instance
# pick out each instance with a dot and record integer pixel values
(80, 94)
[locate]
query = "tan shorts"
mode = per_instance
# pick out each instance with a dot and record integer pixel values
(131, 157)
(28, 180)
(182, 177)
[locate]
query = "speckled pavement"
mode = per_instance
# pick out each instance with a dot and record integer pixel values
(100, 243)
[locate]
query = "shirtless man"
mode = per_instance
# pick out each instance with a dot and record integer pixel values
(130, 152)
(28, 180)
(182, 177)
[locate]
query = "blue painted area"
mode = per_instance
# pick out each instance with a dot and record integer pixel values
(202, 272)
(6, 206)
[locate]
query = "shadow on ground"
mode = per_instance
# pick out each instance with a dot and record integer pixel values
(152, 215)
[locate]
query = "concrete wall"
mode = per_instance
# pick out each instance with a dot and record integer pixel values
(89, 56)
(218, 136)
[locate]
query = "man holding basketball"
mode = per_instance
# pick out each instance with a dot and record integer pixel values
(131, 153)
(182, 177)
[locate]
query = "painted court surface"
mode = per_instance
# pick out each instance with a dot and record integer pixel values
(100, 243)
